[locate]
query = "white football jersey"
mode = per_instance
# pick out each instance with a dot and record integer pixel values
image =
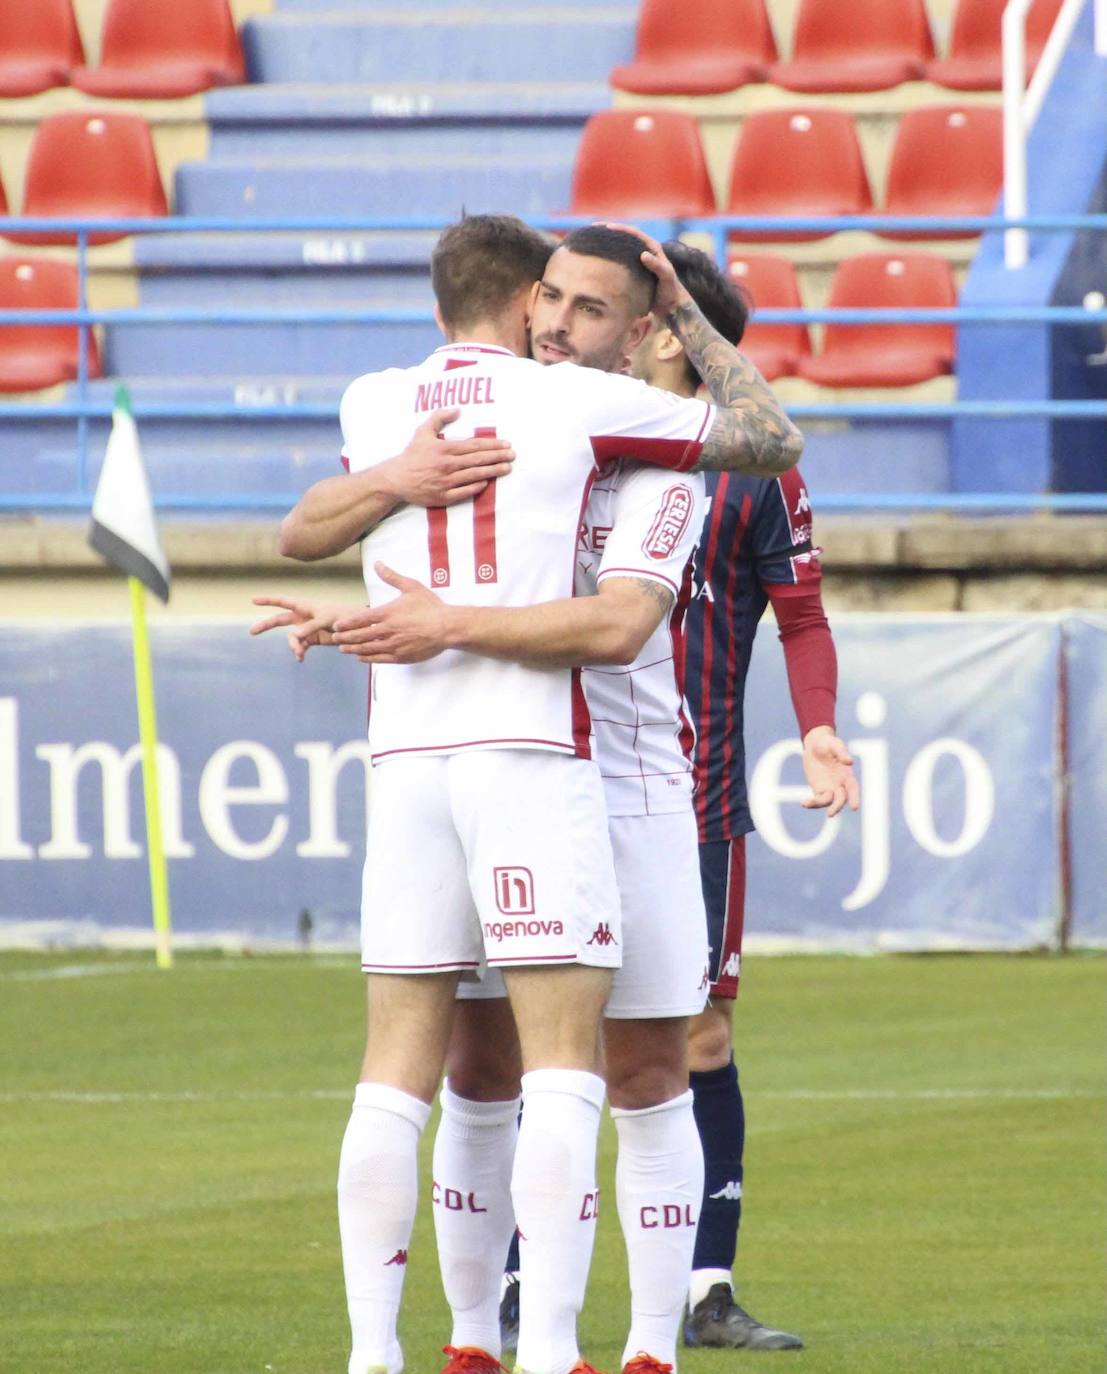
(642, 522)
(515, 545)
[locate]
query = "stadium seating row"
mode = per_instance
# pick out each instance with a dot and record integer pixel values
(33, 357)
(702, 47)
(861, 355)
(946, 160)
(149, 48)
(90, 164)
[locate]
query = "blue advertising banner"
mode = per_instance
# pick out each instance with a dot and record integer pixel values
(952, 723)
(1086, 654)
(265, 784)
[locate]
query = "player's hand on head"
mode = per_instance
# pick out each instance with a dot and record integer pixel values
(436, 471)
(409, 629)
(828, 767)
(670, 292)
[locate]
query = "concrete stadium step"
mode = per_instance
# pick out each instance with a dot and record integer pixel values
(529, 42)
(524, 184)
(401, 117)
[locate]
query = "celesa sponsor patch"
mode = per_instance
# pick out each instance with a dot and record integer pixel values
(670, 522)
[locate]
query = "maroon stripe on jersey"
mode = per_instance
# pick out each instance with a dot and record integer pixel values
(680, 454)
(484, 525)
(344, 461)
(718, 504)
(731, 658)
(687, 736)
(451, 363)
(437, 547)
(582, 720)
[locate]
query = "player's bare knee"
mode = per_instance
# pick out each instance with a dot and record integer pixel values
(409, 1026)
(646, 1061)
(709, 1037)
(557, 1012)
(483, 1063)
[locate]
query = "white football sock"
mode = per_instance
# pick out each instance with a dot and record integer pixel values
(474, 1151)
(377, 1197)
(658, 1190)
(553, 1187)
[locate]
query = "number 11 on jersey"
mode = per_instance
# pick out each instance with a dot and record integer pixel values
(484, 534)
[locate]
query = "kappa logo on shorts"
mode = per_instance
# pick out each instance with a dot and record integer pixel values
(670, 522)
(400, 1257)
(514, 891)
(602, 936)
(733, 966)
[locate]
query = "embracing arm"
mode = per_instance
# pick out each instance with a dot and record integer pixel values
(609, 628)
(338, 511)
(751, 433)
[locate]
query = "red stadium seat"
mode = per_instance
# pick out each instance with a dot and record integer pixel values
(34, 356)
(886, 354)
(39, 46)
(698, 47)
(946, 160)
(975, 61)
(642, 163)
(856, 45)
(90, 165)
(797, 162)
(770, 282)
(164, 48)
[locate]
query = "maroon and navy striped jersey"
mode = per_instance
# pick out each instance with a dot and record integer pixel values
(756, 535)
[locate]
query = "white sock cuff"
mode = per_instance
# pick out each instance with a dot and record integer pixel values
(569, 1082)
(469, 1113)
(703, 1280)
(393, 1100)
(674, 1104)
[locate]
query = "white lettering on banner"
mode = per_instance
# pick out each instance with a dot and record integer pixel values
(12, 844)
(768, 794)
(65, 763)
(217, 796)
(325, 762)
(875, 813)
(918, 798)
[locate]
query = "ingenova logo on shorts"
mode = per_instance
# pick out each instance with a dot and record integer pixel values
(507, 930)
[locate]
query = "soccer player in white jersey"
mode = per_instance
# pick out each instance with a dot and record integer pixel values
(469, 752)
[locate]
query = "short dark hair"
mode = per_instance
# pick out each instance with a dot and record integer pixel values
(616, 245)
(481, 263)
(723, 302)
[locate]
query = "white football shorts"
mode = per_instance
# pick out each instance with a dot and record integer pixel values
(664, 968)
(497, 857)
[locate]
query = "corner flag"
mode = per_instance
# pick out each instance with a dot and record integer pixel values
(123, 529)
(124, 532)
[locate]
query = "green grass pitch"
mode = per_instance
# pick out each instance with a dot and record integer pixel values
(925, 1168)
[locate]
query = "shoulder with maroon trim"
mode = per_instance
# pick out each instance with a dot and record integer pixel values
(626, 418)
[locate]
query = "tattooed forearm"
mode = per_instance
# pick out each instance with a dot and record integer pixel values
(656, 591)
(751, 433)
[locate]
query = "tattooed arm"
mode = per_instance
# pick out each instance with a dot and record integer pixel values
(611, 627)
(751, 432)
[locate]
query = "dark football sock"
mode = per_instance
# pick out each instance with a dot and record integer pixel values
(721, 1122)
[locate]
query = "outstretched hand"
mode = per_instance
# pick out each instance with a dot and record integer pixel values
(828, 767)
(670, 292)
(309, 623)
(410, 629)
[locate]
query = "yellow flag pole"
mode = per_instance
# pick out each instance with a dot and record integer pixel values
(148, 734)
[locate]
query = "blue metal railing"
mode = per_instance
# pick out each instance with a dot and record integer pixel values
(83, 408)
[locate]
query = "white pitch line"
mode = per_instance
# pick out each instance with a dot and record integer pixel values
(786, 1095)
(237, 965)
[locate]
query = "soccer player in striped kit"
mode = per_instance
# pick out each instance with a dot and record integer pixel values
(756, 547)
